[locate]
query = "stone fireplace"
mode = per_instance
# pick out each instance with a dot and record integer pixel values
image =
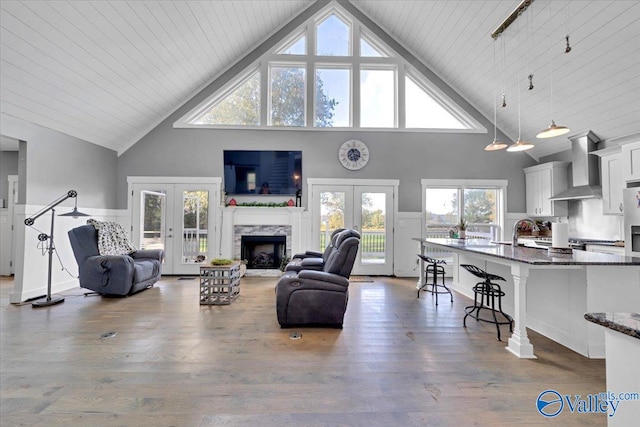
(280, 223)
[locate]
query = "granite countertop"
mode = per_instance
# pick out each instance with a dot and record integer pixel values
(529, 255)
(626, 323)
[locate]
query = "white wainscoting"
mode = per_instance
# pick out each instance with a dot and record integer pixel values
(32, 262)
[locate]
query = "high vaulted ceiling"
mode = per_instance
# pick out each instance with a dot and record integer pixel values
(109, 72)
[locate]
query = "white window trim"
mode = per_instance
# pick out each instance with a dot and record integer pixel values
(498, 184)
(289, 41)
(356, 62)
(290, 64)
(213, 99)
(376, 44)
(365, 66)
(442, 99)
(333, 66)
(344, 18)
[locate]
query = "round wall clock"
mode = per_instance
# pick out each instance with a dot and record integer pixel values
(353, 154)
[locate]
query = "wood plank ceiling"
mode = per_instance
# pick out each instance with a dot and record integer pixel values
(109, 72)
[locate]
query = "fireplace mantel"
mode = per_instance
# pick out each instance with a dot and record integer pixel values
(240, 215)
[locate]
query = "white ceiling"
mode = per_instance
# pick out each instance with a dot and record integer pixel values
(109, 72)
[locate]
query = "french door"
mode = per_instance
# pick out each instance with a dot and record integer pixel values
(366, 208)
(178, 219)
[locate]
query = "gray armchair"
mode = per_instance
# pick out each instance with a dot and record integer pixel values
(113, 274)
(317, 254)
(312, 260)
(310, 297)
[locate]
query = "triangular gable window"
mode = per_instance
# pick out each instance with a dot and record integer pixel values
(324, 58)
(240, 107)
(423, 111)
(370, 49)
(297, 46)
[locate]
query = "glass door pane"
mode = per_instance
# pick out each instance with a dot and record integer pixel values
(373, 217)
(154, 210)
(374, 227)
(332, 215)
(367, 209)
(195, 216)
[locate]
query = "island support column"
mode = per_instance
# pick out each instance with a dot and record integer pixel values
(519, 343)
(421, 266)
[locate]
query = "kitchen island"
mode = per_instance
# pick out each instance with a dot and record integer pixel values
(622, 336)
(548, 293)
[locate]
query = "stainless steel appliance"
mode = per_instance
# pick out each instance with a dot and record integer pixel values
(631, 200)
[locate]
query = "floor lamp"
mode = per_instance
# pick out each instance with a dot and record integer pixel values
(51, 248)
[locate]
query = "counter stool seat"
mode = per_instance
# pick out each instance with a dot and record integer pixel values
(485, 294)
(435, 268)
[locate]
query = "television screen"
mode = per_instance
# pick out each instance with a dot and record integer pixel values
(262, 172)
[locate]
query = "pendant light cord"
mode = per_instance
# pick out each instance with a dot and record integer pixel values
(518, 85)
(504, 84)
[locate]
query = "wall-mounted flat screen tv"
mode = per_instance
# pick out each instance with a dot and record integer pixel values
(262, 172)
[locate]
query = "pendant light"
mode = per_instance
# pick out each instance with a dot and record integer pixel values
(495, 145)
(553, 129)
(519, 145)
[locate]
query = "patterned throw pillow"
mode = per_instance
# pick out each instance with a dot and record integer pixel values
(113, 239)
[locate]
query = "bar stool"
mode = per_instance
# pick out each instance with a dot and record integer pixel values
(485, 295)
(434, 266)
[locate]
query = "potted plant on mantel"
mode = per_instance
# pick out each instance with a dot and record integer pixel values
(462, 229)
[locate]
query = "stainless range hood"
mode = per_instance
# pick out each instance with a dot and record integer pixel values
(586, 176)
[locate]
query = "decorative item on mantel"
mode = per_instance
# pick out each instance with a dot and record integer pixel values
(298, 198)
(291, 203)
(233, 202)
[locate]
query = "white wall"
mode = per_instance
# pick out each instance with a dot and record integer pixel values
(50, 164)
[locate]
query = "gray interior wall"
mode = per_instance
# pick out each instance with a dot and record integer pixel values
(8, 166)
(407, 156)
(51, 163)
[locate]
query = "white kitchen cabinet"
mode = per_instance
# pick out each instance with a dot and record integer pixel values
(612, 180)
(631, 162)
(542, 182)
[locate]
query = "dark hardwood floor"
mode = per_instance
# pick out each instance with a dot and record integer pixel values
(399, 361)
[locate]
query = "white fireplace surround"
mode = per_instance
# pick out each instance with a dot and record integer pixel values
(236, 221)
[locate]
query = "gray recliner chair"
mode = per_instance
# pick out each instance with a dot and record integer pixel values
(312, 260)
(113, 274)
(319, 298)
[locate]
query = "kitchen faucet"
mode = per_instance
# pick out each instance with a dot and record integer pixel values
(515, 229)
